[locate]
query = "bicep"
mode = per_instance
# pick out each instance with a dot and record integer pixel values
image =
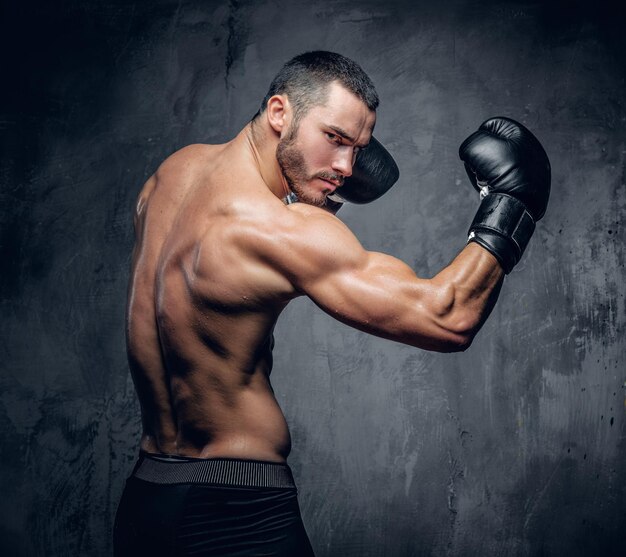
(381, 295)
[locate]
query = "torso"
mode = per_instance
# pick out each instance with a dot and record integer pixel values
(201, 312)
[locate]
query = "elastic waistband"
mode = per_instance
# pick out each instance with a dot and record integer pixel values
(170, 469)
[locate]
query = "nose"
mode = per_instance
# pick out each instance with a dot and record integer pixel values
(343, 161)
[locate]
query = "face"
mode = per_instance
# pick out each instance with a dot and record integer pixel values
(317, 155)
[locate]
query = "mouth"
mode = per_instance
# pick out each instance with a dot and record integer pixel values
(331, 184)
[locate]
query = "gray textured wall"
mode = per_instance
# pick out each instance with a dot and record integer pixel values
(515, 447)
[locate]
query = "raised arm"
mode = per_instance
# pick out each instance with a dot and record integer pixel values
(380, 294)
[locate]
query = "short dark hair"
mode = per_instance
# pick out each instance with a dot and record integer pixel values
(305, 79)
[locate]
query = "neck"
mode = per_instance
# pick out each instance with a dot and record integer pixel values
(262, 143)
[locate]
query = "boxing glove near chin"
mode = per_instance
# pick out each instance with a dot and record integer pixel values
(508, 166)
(373, 174)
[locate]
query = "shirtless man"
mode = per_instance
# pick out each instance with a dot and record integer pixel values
(221, 249)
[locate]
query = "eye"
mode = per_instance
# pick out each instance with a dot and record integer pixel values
(334, 138)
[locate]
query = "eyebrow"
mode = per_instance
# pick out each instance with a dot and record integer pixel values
(343, 133)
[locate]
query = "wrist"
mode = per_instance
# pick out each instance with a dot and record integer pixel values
(503, 226)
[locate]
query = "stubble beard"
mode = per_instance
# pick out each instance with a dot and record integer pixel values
(294, 168)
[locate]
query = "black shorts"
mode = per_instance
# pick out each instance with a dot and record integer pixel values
(187, 506)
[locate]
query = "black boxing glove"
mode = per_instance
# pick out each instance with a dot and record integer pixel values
(508, 166)
(373, 174)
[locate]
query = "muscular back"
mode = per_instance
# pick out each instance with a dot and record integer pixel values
(201, 311)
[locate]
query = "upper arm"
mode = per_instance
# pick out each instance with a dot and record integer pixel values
(370, 291)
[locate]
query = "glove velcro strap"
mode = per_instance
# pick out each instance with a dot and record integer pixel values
(499, 217)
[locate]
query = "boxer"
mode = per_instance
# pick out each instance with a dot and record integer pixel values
(226, 236)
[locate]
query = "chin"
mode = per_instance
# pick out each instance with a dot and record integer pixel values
(311, 198)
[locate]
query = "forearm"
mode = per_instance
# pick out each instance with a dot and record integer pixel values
(466, 291)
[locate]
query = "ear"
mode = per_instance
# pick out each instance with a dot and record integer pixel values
(278, 113)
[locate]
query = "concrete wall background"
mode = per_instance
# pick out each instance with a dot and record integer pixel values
(515, 447)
